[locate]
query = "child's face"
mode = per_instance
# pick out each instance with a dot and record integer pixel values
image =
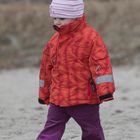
(62, 21)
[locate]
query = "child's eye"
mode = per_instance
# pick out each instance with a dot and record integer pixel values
(59, 18)
(62, 18)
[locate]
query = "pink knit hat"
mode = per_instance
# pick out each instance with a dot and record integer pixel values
(67, 8)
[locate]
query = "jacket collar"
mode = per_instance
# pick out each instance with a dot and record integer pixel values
(71, 27)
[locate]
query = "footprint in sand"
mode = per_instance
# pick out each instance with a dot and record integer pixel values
(38, 108)
(124, 98)
(117, 112)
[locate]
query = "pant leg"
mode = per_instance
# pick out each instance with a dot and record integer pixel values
(87, 116)
(55, 124)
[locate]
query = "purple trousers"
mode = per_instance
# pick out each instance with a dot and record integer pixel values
(87, 116)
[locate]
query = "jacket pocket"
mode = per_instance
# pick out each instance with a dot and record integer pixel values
(91, 88)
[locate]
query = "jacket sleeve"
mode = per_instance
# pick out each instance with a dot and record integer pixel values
(45, 76)
(101, 70)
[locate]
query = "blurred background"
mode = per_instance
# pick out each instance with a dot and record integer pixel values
(25, 26)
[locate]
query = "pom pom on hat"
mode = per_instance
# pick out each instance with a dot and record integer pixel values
(67, 8)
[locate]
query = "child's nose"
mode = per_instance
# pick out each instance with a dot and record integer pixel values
(57, 21)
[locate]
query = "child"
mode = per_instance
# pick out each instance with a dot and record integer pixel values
(75, 73)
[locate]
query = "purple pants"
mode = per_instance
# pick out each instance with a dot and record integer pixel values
(87, 116)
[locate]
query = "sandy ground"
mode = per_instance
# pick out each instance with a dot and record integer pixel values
(22, 118)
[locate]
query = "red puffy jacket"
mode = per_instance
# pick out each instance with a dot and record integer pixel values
(75, 67)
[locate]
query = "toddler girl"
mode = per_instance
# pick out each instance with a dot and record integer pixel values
(75, 73)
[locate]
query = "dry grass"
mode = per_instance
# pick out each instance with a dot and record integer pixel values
(24, 29)
(119, 23)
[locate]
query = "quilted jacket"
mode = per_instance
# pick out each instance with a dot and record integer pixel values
(75, 67)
